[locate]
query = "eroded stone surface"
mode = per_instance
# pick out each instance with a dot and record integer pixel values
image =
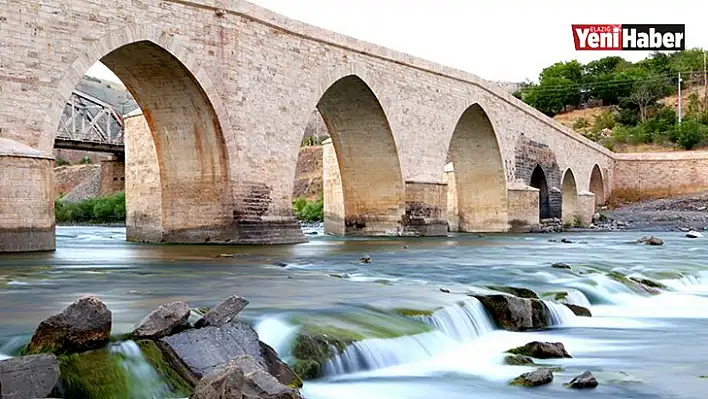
(163, 321)
(31, 376)
(223, 312)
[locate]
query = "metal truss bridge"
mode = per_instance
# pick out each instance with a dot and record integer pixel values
(90, 124)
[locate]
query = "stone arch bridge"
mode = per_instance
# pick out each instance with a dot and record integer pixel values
(227, 89)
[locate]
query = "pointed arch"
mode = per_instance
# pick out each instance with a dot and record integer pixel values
(479, 176)
(597, 185)
(538, 180)
(372, 186)
(570, 207)
(184, 115)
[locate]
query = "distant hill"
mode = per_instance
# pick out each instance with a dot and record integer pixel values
(110, 92)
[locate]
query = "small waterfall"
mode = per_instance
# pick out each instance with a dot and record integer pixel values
(376, 353)
(576, 297)
(462, 322)
(560, 315)
(145, 382)
(277, 333)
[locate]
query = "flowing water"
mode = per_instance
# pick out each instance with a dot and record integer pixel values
(637, 346)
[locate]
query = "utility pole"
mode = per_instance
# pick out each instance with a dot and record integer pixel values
(679, 98)
(705, 83)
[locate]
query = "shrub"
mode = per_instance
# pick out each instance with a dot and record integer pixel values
(85, 160)
(580, 123)
(690, 133)
(108, 209)
(61, 162)
(308, 210)
(605, 120)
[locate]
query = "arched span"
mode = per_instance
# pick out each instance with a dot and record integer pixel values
(480, 181)
(367, 158)
(570, 202)
(597, 185)
(538, 180)
(192, 202)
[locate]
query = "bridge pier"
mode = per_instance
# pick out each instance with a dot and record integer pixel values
(112, 176)
(26, 199)
(426, 209)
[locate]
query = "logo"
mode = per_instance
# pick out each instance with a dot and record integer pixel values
(606, 37)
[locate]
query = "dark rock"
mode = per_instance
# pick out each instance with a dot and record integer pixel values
(535, 378)
(165, 320)
(31, 376)
(694, 234)
(579, 310)
(560, 265)
(242, 377)
(583, 381)
(566, 241)
(647, 282)
(518, 360)
(650, 240)
(365, 259)
(515, 314)
(312, 350)
(445, 290)
(541, 350)
(632, 284)
(519, 292)
(83, 325)
(195, 353)
(278, 369)
(223, 312)
(281, 264)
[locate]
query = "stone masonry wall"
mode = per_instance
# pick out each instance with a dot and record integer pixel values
(662, 173)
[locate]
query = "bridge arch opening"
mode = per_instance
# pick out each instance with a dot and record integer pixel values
(177, 177)
(479, 192)
(597, 186)
(538, 180)
(363, 183)
(570, 201)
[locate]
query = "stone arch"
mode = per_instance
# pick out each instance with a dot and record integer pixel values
(597, 185)
(367, 163)
(185, 119)
(539, 181)
(479, 174)
(570, 205)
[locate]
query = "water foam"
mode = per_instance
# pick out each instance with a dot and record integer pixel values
(462, 322)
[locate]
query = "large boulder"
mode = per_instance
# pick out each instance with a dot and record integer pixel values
(242, 378)
(535, 378)
(579, 310)
(650, 240)
(195, 353)
(516, 291)
(223, 312)
(31, 376)
(518, 360)
(516, 314)
(165, 320)
(634, 284)
(583, 381)
(541, 350)
(83, 325)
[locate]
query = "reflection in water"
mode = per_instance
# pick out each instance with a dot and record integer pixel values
(652, 339)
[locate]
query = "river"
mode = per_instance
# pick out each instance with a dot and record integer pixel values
(637, 346)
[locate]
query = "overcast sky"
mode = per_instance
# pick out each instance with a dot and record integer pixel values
(509, 40)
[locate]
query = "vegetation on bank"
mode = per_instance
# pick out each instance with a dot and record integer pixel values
(107, 209)
(633, 92)
(307, 210)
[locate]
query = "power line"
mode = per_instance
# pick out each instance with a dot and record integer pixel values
(606, 83)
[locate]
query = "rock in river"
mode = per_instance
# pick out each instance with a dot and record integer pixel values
(223, 312)
(242, 377)
(31, 376)
(650, 240)
(535, 378)
(83, 325)
(542, 350)
(579, 310)
(560, 265)
(516, 314)
(583, 381)
(518, 360)
(208, 348)
(516, 291)
(694, 234)
(163, 321)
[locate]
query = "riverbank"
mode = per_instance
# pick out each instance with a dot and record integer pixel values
(679, 213)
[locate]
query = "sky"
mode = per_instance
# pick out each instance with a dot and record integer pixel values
(508, 40)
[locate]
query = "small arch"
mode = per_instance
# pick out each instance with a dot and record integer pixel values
(570, 203)
(538, 180)
(479, 175)
(372, 187)
(597, 186)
